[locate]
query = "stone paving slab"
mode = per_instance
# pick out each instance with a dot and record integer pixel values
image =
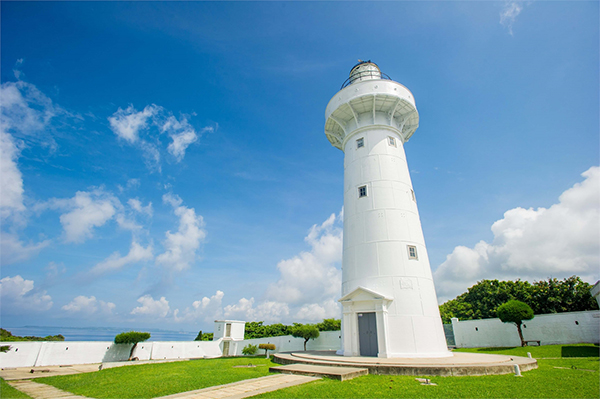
(42, 391)
(245, 388)
(337, 373)
(24, 373)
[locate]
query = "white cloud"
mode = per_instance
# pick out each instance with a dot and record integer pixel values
(152, 307)
(182, 134)
(88, 306)
(312, 277)
(207, 309)
(533, 244)
(181, 246)
(84, 212)
(11, 180)
(115, 262)
(509, 14)
(19, 295)
(309, 284)
(127, 123)
(136, 205)
(13, 250)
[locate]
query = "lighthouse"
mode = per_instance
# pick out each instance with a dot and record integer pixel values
(388, 298)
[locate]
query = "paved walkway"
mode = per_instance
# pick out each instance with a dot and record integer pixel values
(236, 390)
(42, 391)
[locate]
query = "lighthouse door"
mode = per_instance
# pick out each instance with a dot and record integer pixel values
(367, 334)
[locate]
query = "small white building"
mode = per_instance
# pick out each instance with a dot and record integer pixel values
(231, 332)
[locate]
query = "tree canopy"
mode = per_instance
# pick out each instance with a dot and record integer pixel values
(481, 301)
(515, 312)
(131, 337)
(306, 331)
(256, 329)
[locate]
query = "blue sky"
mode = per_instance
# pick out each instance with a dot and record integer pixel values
(165, 163)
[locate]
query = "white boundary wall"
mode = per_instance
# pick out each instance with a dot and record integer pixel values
(550, 329)
(30, 354)
(328, 340)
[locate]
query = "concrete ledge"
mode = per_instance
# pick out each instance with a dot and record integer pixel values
(336, 373)
(460, 364)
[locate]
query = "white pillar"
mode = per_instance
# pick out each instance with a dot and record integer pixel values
(385, 268)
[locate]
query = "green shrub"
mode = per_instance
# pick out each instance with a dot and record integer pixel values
(249, 349)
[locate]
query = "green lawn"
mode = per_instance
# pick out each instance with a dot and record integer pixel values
(152, 380)
(564, 372)
(545, 382)
(6, 391)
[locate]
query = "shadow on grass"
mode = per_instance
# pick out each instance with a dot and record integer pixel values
(495, 349)
(580, 351)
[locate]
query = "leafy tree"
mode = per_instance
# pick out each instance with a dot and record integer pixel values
(249, 349)
(330, 325)
(199, 336)
(306, 331)
(207, 336)
(267, 348)
(515, 312)
(131, 337)
(552, 296)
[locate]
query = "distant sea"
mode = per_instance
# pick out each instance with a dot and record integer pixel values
(99, 333)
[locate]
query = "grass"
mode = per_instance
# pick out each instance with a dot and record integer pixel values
(564, 372)
(6, 391)
(545, 382)
(152, 380)
(546, 351)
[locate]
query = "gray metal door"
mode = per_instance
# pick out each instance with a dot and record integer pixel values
(367, 334)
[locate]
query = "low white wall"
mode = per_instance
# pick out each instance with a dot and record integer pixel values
(550, 329)
(327, 340)
(30, 354)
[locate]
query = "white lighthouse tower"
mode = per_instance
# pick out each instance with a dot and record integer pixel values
(389, 303)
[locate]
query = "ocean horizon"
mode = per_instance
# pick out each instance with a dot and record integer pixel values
(99, 333)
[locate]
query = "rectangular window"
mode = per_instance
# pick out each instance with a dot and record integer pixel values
(412, 192)
(362, 191)
(412, 252)
(360, 142)
(392, 141)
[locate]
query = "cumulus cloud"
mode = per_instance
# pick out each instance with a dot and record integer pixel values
(207, 309)
(181, 247)
(312, 276)
(88, 306)
(84, 212)
(19, 295)
(116, 262)
(509, 14)
(533, 244)
(151, 307)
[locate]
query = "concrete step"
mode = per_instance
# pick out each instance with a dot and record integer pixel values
(336, 373)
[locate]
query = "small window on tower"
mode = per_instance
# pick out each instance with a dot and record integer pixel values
(392, 141)
(360, 142)
(412, 193)
(362, 191)
(412, 252)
